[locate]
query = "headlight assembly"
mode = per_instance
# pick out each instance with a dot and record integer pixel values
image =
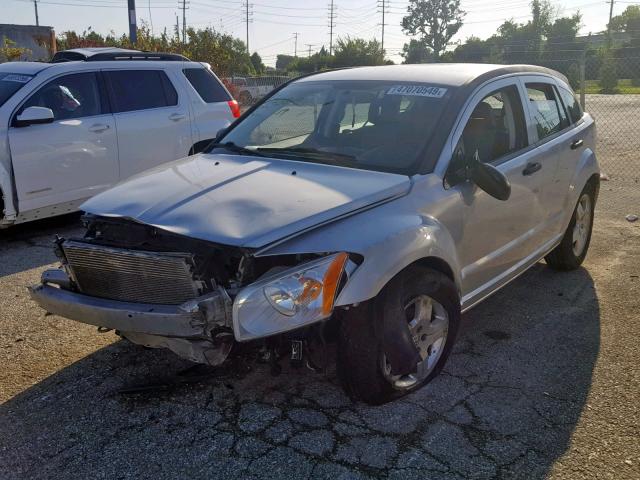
(289, 299)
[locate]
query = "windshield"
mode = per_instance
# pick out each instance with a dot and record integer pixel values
(10, 83)
(370, 125)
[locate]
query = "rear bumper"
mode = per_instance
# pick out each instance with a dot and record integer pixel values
(193, 319)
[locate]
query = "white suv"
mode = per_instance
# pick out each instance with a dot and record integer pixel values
(93, 117)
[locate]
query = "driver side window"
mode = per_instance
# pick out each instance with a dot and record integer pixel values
(496, 127)
(70, 96)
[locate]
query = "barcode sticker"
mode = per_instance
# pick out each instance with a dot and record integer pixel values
(417, 91)
(14, 77)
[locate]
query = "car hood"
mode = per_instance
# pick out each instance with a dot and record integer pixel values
(244, 200)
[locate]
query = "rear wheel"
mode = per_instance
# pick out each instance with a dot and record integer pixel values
(572, 250)
(428, 301)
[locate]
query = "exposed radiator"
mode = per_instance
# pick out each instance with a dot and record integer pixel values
(132, 275)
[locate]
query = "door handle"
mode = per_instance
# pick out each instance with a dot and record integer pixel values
(577, 144)
(98, 127)
(176, 117)
(531, 168)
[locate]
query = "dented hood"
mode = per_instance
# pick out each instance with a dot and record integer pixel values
(244, 201)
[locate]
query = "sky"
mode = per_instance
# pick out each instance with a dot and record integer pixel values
(273, 23)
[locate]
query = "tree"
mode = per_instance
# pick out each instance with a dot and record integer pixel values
(10, 53)
(351, 52)
(608, 75)
(416, 52)
(435, 21)
(256, 61)
(628, 21)
(283, 61)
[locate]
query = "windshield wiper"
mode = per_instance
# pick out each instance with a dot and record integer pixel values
(232, 147)
(333, 158)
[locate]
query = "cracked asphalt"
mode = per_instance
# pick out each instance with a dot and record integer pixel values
(543, 383)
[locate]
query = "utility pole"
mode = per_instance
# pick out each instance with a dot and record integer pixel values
(182, 4)
(35, 5)
(309, 45)
(133, 27)
(247, 19)
(177, 27)
(332, 23)
(295, 50)
(609, 24)
(382, 4)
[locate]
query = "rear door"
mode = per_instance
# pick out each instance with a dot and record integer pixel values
(551, 137)
(152, 119)
(72, 158)
(498, 238)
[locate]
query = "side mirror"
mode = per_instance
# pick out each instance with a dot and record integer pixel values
(34, 116)
(484, 175)
(490, 179)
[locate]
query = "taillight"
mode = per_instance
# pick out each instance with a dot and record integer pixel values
(235, 108)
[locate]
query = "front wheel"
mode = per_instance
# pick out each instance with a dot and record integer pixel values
(572, 250)
(428, 302)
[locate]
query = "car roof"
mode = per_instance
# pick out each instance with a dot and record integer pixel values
(27, 68)
(446, 74)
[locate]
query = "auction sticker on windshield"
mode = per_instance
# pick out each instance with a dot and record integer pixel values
(417, 91)
(14, 77)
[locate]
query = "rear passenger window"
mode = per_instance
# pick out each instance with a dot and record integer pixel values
(140, 90)
(571, 102)
(548, 114)
(496, 127)
(203, 81)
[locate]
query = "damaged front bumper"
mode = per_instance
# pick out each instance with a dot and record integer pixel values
(199, 329)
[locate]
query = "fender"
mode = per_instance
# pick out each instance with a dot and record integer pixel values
(387, 240)
(587, 167)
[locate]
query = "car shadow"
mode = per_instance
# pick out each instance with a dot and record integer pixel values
(30, 245)
(506, 405)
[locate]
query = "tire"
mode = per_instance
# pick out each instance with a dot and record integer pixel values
(361, 360)
(572, 250)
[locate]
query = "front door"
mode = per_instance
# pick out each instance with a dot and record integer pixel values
(497, 236)
(72, 158)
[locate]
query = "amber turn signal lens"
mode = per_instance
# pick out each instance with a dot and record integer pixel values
(331, 282)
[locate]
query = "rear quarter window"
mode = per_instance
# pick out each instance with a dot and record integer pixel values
(207, 86)
(571, 102)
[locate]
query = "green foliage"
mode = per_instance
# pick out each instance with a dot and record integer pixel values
(283, 61)
(608, 75)
(573, 75)
(628, 21)
(435, 21)
(256, 62)
(10, 53)
(416, 52)
(357, 51)
(225, 54)
(348, 52)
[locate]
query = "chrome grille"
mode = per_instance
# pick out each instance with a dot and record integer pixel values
(132, 275)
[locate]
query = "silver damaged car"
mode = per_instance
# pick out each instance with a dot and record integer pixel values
(368, 207)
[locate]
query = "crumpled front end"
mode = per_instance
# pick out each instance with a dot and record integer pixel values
(196, 298)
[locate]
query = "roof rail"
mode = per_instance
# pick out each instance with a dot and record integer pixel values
(113, 54)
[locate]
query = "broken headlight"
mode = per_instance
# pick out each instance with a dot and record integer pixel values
(289, 299)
